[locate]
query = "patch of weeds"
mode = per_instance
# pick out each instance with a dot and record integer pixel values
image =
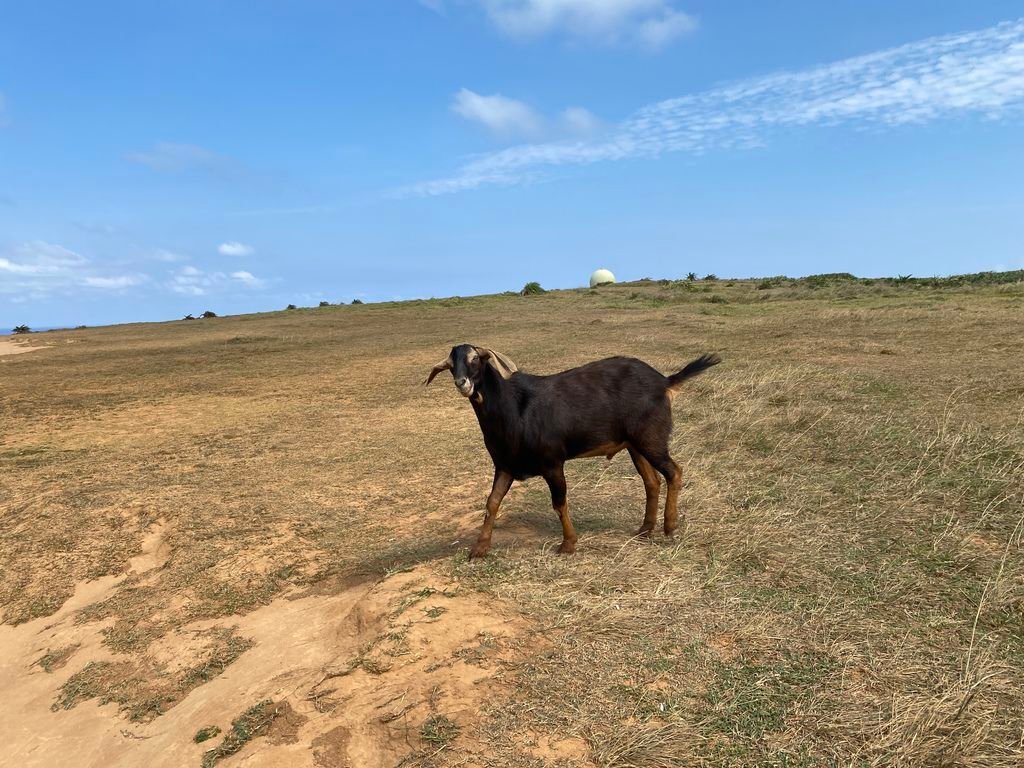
(374, 666)
(398, 642)
(751, 700)
(828, 278)
(715, 298)
(439, 730)
(249, 725)
(760, 443)
(143, 689)
(126, 685)
(56, 659)
(225, 648)
(408, 601)
(205, 734)
(479, 653)
(435, 612)
(482, 574)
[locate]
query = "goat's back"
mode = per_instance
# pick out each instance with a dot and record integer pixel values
(611, 401)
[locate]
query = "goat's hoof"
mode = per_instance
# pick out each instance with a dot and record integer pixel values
(478, 551)
(670, 535)
(567, 548)
(644, 533)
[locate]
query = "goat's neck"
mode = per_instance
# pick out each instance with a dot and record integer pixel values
(496, 410)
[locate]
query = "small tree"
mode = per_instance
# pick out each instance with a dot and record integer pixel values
(22, 329)
(711, 277)
(208, 314)
(325, 303)
(691, 276)
(532, 289)
(357, 301)
(189, 317)
(291, 306)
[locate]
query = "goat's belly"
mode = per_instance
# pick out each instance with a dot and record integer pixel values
(605, 449)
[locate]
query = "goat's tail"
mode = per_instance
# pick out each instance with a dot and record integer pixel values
(699, 365)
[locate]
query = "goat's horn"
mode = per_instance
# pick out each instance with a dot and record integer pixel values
(444, 365)
(501, 364)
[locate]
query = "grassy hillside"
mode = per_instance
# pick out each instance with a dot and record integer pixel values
(849, 588)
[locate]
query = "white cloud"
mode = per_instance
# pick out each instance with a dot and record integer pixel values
(580, 121)
(234, 248)
(40, 258)
(247, 278)
(648, 23)
(38, 268)
(978, 72)
(192, 281)
(118, 281)
(162, 254)
(500, 114)
(509, 118)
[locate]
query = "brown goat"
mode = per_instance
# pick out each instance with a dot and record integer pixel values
(532, 425)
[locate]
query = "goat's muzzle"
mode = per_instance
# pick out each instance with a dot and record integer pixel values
(465, 387)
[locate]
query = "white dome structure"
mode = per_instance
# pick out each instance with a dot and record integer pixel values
(600, 277)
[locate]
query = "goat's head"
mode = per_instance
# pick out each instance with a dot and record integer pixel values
(467, 364)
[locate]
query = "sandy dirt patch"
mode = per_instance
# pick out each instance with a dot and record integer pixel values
(12, 347)
(351, 678)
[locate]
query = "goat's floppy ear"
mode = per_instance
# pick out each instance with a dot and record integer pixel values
(501, 364)
(444, 365)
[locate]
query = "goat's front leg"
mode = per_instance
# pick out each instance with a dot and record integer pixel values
(556, 482)
(502, 482)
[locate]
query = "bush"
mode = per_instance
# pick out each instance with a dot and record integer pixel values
(291, 306)
(22, 329)
(711, 277)
(325, 303)
(357, 301)
(691, 276)
(714, 298)
(828, 278)
(208, 314)
(532, 289)
(188, 317)
(765, 284)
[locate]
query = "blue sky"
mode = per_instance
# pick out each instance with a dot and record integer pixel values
(160, 157)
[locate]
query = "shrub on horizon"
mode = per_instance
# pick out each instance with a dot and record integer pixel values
(21, 329)
(532, 289)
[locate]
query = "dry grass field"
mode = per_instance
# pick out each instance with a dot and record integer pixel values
(243, 541)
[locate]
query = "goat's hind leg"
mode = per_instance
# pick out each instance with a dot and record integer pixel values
(556, 483)
(662, 462)
(674, 476)
(502, 482)
(652, 487)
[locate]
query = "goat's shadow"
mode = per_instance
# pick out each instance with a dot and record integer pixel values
(525, 524)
